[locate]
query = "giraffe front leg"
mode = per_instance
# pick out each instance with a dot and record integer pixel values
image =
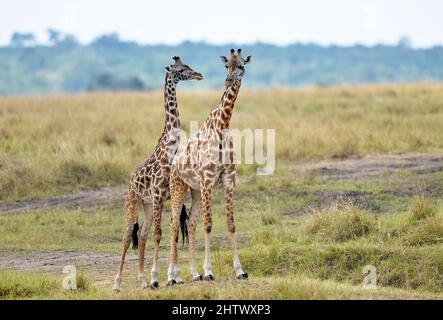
(146, 225)
(178, 193)
(157, 207)
(206, 202)
(230, 224)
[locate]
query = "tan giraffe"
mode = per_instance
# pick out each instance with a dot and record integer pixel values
(199, 165)
(150, 183)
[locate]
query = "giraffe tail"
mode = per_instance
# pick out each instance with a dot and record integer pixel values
(183, 225)
(134, 237)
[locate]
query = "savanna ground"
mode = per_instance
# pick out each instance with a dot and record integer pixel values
(358, 181)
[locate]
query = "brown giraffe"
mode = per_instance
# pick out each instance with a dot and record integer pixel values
(150, 183)
(205, 160)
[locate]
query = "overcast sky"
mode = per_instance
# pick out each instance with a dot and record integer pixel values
(343, 22)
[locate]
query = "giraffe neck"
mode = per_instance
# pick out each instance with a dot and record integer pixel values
(226, 107)
(172, 121)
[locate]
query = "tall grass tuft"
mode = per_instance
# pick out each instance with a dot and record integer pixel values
(423, 207)
(339, 224)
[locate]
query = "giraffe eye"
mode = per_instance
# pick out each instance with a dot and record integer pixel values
(241, 67)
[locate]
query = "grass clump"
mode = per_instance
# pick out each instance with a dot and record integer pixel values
(83, 283)
(73, 172)
(339, 225)
(427, 232)
(423, 207)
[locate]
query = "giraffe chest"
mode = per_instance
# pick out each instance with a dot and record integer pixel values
(200, 161)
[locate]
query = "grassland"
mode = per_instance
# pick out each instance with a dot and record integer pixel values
(304, 232)
(53, 145)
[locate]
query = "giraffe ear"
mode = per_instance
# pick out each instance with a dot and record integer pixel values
(167, 69)
(247, 60)
(224, 59)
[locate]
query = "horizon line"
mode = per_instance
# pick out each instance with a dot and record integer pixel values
(411, 45)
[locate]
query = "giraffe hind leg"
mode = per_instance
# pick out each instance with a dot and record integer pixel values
(191, 227)
(178, 193)
(143, 235)
(131, 206)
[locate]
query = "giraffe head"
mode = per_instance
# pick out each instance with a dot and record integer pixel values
(236, 67)
(179, 71)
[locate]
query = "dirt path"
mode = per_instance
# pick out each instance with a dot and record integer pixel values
(81, 199)
(373, 166)
(98, 266)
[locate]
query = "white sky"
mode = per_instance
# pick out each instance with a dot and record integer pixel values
(343, 22)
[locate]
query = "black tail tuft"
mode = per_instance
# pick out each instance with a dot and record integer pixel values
(183, 225)
(135, 236)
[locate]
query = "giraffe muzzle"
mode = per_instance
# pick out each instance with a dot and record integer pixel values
(198, 76)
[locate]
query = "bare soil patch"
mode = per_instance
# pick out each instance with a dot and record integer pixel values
(373, 166)
(89, 198)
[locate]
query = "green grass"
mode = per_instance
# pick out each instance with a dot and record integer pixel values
(332, 244)
(14, 285)
(26, 286)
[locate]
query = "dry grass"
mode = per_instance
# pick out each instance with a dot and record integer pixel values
(52, 145)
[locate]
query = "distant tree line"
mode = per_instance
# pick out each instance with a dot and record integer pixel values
(63, 64)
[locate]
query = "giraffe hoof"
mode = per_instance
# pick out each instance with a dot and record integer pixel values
(143, 284)
(179, 282)
(171, 283)
(154, 285)
(198, 278)
(242, 276)
(208, 277)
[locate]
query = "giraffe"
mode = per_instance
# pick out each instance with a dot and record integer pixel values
(197, 167)
(149, 184)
